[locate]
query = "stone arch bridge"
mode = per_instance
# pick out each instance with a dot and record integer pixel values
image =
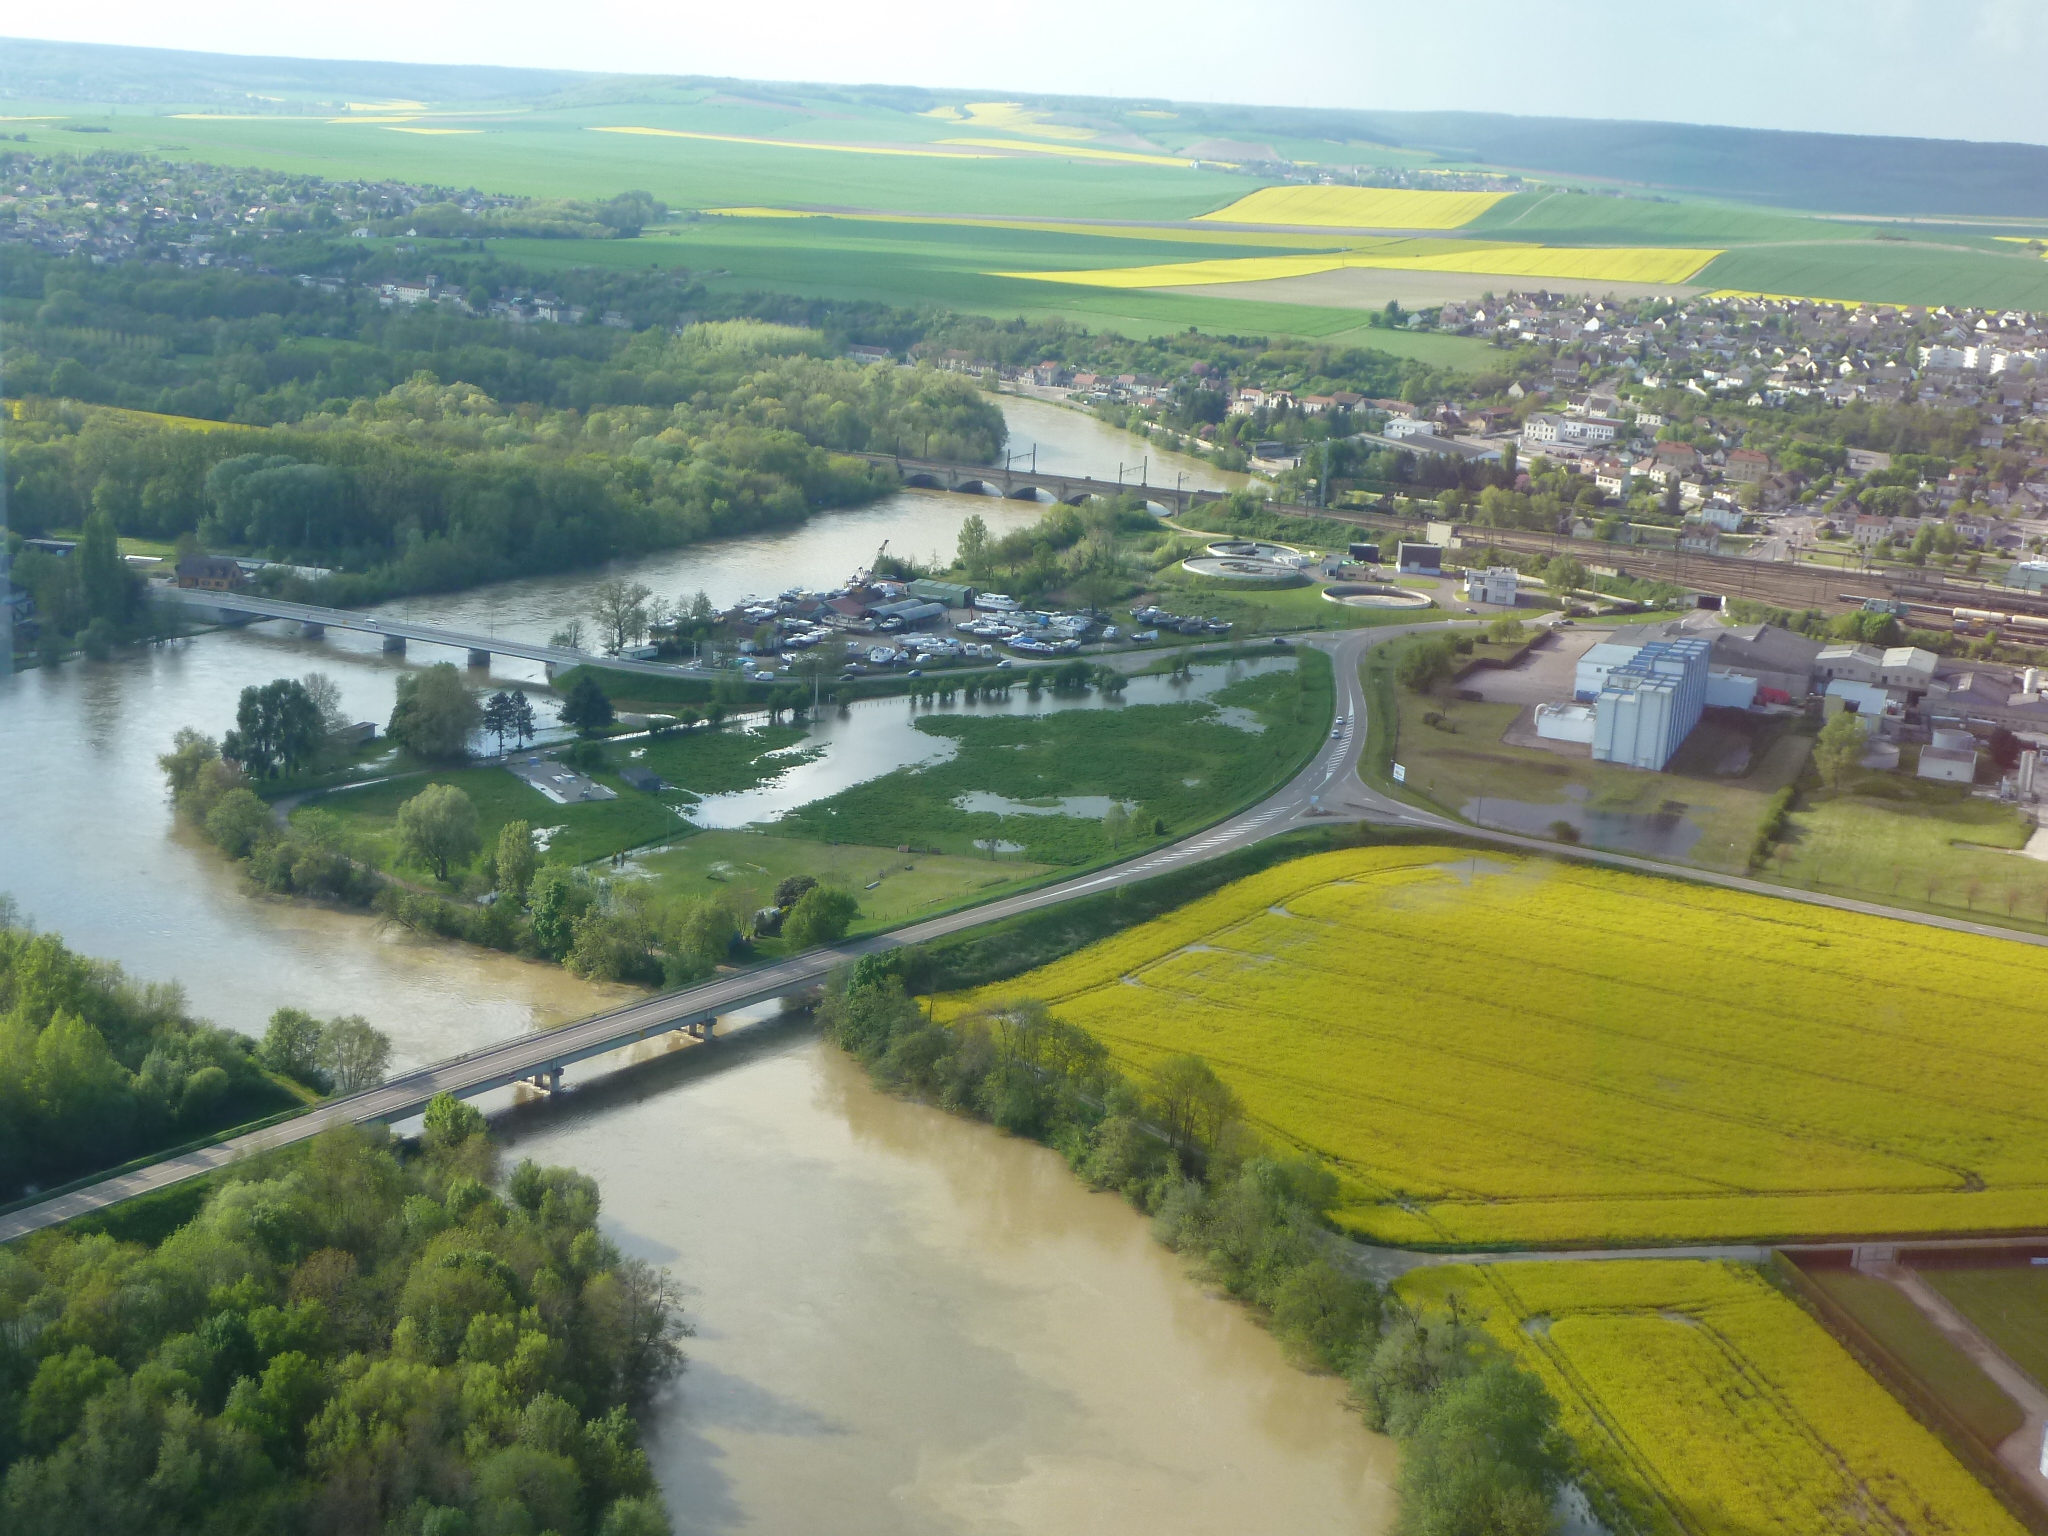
(1034, 485)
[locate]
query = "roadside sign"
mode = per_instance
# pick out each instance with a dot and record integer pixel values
(1400, 774)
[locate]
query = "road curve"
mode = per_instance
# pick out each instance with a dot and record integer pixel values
(510, 1061)
(1328, 789)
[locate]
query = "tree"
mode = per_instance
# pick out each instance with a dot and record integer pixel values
(1425, 665)
(325, 695)
(585, 707)
(1116, 824)
(1839, 748)
(436, 713)
(516, 860)
(821, 916)
(701, 609)
(973, 553)
(437, 827)
(291, 1045)
(1191, 1103)
(521, 717)
(450, 1122)
(109, 588)
(354, 1055)
(1564, 575)
(619, 609)
(278, 727)
(791, 890)
(238, 821)
(1505, 630)
(569, 637)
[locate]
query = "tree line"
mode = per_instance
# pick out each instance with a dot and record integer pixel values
(354, 1335)
(1482, 1452)
(96, 1068)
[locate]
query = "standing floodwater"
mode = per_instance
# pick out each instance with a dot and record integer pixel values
(909, 1323)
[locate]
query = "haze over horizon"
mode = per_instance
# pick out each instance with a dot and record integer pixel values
(1871, 66)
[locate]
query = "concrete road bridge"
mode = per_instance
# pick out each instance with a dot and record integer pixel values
(1028, 484)
(1328, 790)
(314, 621)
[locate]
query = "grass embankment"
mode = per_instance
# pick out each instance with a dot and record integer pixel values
(1179, 765)
(1924, 1350)
(2010, 1305)
(1719, 782)
(1706, 1402)
(1499, 1051)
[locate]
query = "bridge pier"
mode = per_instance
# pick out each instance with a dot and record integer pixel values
(313, 631)
(479, 658)
(394, 645)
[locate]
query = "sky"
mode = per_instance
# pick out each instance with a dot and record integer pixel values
(1966, 69)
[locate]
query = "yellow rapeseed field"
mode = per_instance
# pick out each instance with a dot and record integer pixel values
(1603, 264)
(1706, 1402)
(1357, 208)
(1527, 1051)
(1281, 240)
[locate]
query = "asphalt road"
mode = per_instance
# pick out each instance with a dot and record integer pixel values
(1322, 781)
(1328, 789)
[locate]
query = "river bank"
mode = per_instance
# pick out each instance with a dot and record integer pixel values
(908, 1322)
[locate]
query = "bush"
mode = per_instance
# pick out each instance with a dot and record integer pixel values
(821, 916)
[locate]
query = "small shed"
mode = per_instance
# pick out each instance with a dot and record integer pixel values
(1952, 765)
(642, 779)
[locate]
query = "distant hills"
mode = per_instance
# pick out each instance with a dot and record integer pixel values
(1823, 172)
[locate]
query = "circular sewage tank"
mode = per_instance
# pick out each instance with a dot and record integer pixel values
(1373, 594)
(1243, 568)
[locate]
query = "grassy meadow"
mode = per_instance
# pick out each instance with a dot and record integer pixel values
(1935, 1361)
(2009, 1305)
(1182, 765)
(892, 887)
(1705, 1402)
(577, 833)
(1505, 1051)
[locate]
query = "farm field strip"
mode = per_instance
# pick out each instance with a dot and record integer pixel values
(1508, 1078)
(2009, 1305)
(1358, 207)
(1705, 1401)
(1641, 264)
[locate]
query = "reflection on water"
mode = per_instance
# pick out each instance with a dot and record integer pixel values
(1654, 834)
(911, 1324)
(878, 736)
(89, 848)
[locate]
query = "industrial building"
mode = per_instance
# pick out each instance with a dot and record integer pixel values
(1496, 584)
(1649, 704)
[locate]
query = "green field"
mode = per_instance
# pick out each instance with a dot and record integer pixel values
(2009, 1305)
(874, 158)
(1181, 763)
(1912, 843)
(555, 153)
(909, 264)
(592, 830)
(746, 867)
(1889, 272)
(1923, 1349)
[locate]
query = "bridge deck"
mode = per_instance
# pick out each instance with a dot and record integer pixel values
(406, 629)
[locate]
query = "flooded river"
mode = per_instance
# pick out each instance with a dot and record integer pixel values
(907, 1323)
